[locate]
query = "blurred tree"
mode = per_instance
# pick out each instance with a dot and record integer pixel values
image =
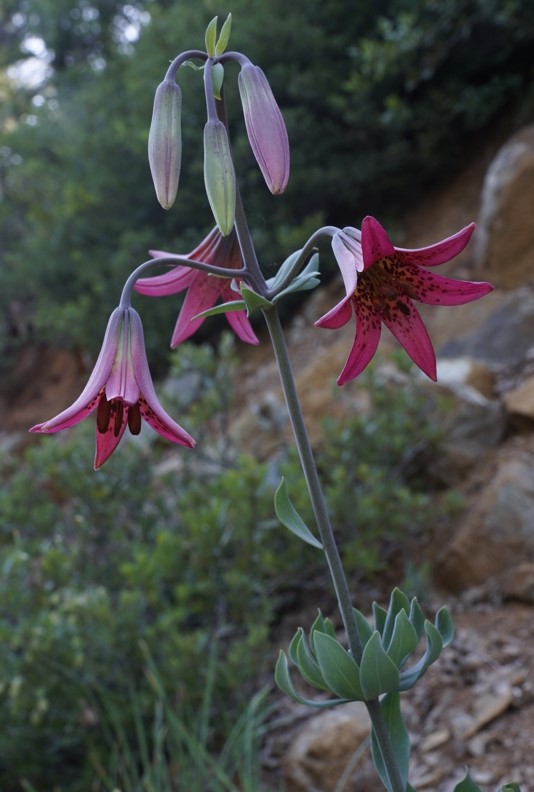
(378, 97)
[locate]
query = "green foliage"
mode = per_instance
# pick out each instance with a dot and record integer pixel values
(370, 460)
(180, 552)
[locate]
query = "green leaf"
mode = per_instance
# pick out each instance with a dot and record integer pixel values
(224, 35)
(321, 625)
(409, 677)
(253, 301)
(339, 669)
(226, 307)
(283, 269)
(397, 602)
(417, 618)
(217, 76)
(400, 740)
(282, 678)
(378, 673)
(211, 37)
(467, 785)
(293, 646)
(379, 614)
(288, 516)
(444, 625)
(511, 787)
(308, 666)
(364, 628)
(403, 640)
(305, 281)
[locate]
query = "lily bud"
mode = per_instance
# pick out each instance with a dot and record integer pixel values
(165, 142)
(219, 175)
(265, 127)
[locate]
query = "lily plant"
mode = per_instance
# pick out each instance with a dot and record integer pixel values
(374, 660)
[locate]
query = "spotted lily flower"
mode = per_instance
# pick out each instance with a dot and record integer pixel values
(121, 391)
(381, 282)
(203, 290)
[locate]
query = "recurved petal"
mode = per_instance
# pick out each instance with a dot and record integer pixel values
(88, 399)
(202, 294)
(337, 316)
(107, 441)
(241, 326)
(439, 253)
(409, 330)
(368, 329)
(375, 242)
(150, 408)
(434, 289)
(347, 261)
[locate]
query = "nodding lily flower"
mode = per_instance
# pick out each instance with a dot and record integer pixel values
(121, 391)
(381, 282)
(203, 289)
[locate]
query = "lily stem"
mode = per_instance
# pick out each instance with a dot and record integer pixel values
(326, 533)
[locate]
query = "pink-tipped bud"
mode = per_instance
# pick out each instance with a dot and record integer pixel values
(165, 142)
(219, 175)
(265, 127)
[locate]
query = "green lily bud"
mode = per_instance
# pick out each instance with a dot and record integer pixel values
(165, 142)
(219, 175)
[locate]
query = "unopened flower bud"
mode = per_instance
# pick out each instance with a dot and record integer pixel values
(265, 127)
(219, 175)
(165, 142)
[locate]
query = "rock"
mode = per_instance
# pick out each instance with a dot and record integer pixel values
(518, 583)
(505, 234)
(472, 423)
(504, 338)
(319, 754)
(498, 531)
(520, 400)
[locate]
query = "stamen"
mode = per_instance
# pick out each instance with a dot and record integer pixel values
(103, 413)
(134, 418)
(118, 406)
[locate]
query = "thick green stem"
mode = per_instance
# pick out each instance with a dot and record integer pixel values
(327, 534)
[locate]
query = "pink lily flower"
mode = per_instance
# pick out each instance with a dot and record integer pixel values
(203, 289)
(381, 281)
(121, 391)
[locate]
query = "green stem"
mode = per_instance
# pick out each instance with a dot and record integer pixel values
(326, 532)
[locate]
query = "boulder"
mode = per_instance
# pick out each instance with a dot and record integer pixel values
(505, 235)
(322, 749)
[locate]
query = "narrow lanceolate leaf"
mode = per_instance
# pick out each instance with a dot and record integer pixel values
(444, 625)
(339, 669)
(400, 740)
(219, 175)
(227, 307)
(288, 516)
(308, 666)
(211, 37)
(403, 640)
(378, 673)
(224, 35)
(165, 142)
(282, 678)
